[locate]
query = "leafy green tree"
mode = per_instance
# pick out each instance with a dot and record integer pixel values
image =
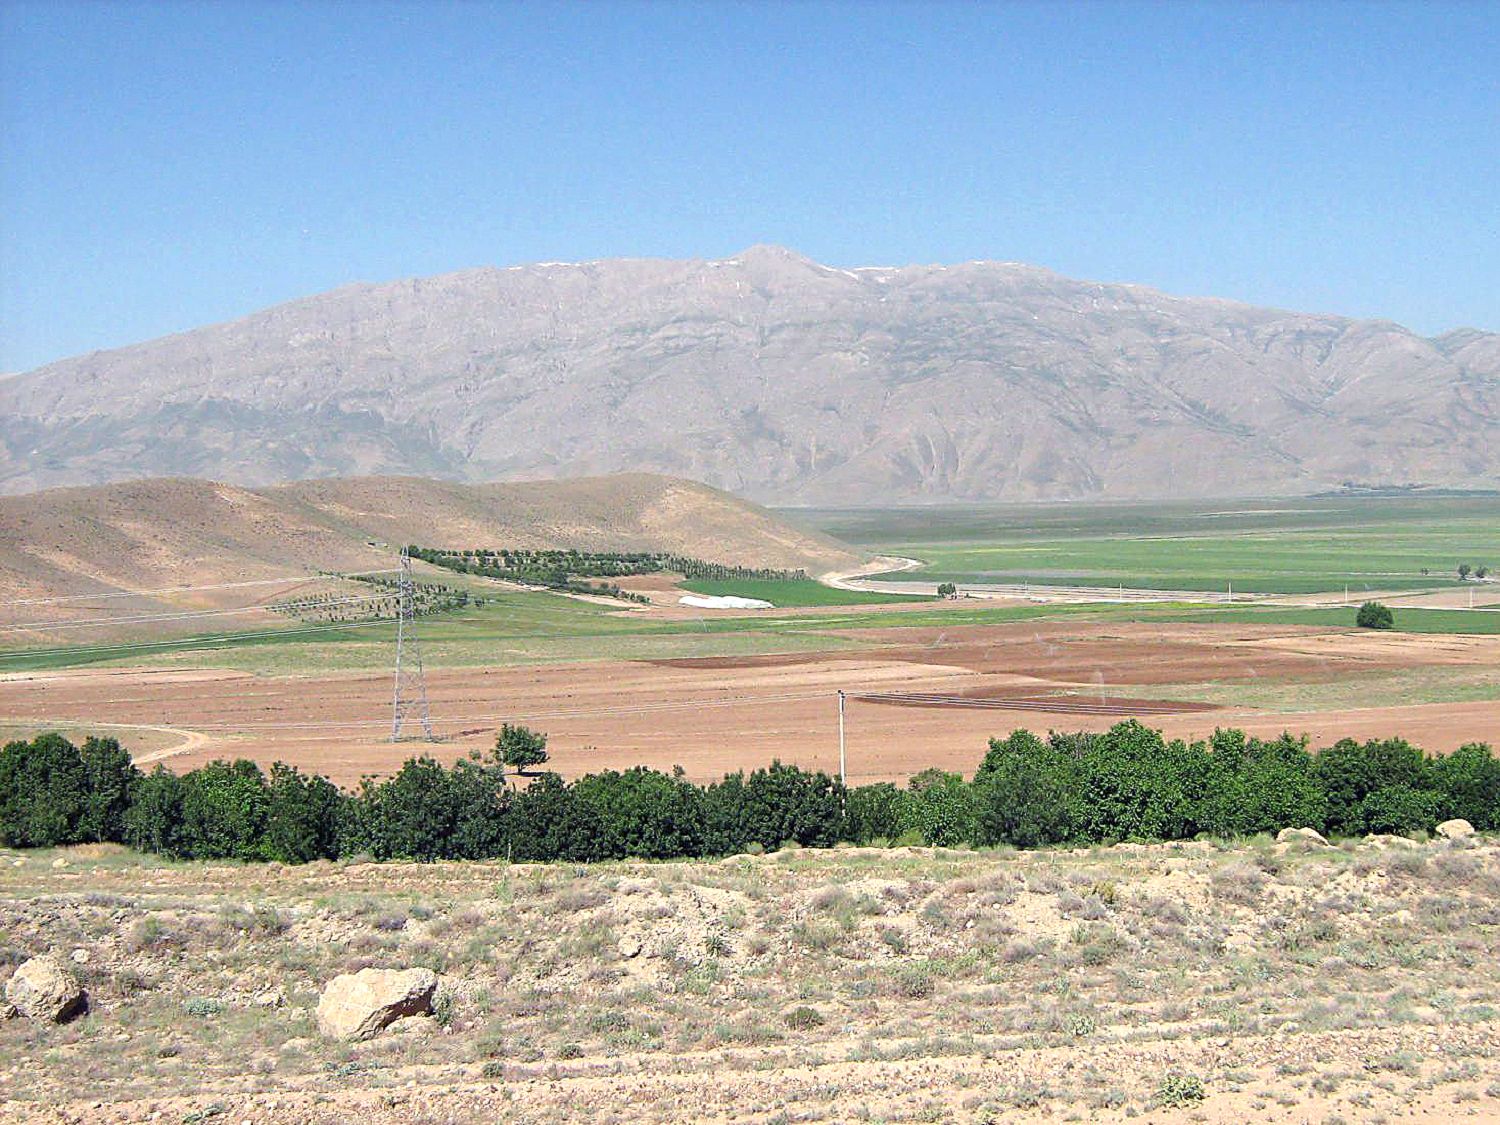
(1026, 791)
(946, 590)
(1481, 572)
(43, 792)
(1374, 615)
(876, 812)
(411, 815)
(644, 813)
(547, 823)
(726, 827)
(1469, 781)
(520, 747)
(1464, 570)
(224, 807)
(153, 823)
(302, 816)
(482, 810)
(1133, 784)
(1258, 786)
(110, 777)
(942, 808)
(1351, 771)
(772, 806)
(1400, 808)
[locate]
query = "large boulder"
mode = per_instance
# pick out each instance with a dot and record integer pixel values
(358, 1005)
(44, 989)
(1306, 835)
(1459, 829)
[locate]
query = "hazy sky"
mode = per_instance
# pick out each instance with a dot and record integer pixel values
(168, 165)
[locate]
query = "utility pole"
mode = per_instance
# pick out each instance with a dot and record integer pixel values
(410, 693)
(843, 761)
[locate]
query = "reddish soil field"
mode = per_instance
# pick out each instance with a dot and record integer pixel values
(715, 715)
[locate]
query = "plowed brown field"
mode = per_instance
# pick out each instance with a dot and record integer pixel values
(717, 714)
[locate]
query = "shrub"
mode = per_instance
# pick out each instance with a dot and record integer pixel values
(803, 1018)
(1374, 615)
(109, 775)
(1254, 786)
(302, 816)
(1178, 1090)
(644, 813)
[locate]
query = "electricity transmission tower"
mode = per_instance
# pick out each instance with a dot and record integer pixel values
(410, 698)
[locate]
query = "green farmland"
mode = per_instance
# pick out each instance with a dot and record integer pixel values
(1264, 546)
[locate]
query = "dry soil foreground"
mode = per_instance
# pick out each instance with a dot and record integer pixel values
(1190, 982)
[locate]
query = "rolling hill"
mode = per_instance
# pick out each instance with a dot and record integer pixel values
(150, 535)
(778, 378)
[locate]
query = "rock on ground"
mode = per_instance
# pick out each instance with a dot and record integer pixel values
(358, 1005)
(44, 989)
(1311, 835)
(1458, 829)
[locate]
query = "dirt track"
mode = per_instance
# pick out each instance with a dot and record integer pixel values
(720, 714)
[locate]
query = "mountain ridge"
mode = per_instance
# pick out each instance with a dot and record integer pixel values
(776, 377)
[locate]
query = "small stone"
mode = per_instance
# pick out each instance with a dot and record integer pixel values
(79, 956)
(269, 999)
(61, 862)
(629, 947)
(44, 989)
(1456, 829)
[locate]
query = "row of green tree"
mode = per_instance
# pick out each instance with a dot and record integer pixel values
(1125, 783)
(559, 568)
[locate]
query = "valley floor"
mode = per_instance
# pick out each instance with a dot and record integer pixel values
(716, 714)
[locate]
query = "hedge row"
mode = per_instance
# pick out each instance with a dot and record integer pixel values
(1126, 783)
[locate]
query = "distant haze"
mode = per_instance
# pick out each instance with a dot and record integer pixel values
(778, 378)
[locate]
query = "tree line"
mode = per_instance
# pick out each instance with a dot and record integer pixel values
(560, 569)
(1127, 783)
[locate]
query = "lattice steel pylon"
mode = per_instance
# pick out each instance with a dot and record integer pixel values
(410, 695)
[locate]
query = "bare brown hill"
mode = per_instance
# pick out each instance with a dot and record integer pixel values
(777, 378)
(149, 535)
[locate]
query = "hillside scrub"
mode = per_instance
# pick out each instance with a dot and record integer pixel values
(1081, 788)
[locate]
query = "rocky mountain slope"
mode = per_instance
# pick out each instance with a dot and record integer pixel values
(153, 534)
(778, 378)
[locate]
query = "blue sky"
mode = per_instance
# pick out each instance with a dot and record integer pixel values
(168, 165)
